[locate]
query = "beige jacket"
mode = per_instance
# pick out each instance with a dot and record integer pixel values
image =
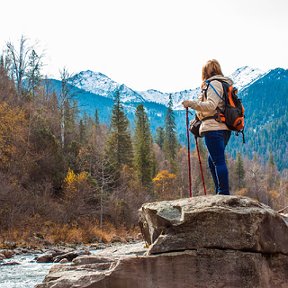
(207, 107)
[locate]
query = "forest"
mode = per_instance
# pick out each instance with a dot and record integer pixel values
(71, 179)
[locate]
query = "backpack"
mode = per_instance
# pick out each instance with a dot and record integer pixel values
(233, 113)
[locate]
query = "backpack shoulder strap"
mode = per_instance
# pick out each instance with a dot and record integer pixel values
(209, 83)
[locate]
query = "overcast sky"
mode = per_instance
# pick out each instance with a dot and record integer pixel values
(150, 44)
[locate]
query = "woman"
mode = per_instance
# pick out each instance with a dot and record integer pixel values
(215, 132)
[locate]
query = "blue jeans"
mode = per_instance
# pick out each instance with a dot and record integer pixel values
(216, 142)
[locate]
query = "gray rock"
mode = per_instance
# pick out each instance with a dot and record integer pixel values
(2, 256)
(7, 253)
(57, 255)
(70, 255)
(10, 263)
(223, 222)
(64, 260)
(45, 258)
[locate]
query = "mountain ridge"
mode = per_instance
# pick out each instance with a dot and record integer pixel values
(100, 84)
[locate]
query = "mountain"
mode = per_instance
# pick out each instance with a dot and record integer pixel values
(100, 84)
(245, 76)
(264, 95)
(266, 102)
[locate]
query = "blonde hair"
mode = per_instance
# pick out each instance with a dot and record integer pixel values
(211, 68)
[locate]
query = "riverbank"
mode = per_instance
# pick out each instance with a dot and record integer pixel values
(27, 256)
(24, 268)
(41, 235)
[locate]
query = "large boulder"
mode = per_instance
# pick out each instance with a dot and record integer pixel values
(222, 222)
(213, 241)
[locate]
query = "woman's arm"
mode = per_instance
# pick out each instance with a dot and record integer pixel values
(212, 99)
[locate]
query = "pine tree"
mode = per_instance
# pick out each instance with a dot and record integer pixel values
(272, 179)
(160, 136)
(82, 132)
(97, 122)
(143, 156)
(34, 72)
(119, 145)
(239, 171)
(170, 140)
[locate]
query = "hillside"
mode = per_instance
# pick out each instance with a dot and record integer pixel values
(266, 105)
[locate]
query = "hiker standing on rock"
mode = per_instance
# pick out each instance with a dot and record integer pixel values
(215, 132)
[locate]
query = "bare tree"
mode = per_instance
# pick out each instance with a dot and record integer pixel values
(23, 61)
(19, 59)
(65, 95)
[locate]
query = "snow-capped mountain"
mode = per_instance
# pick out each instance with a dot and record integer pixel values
(100, 84)
(94, 82)
(245, 76)
(242, 77)
(163, 98)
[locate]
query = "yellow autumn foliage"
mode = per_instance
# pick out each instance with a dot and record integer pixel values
(163, 175)
(73, 181)
(164, 184)
(72, 177)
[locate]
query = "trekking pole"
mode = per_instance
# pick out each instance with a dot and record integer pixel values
(200, 164)
(189, 160)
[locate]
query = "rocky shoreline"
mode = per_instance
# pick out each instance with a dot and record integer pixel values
(57, 253)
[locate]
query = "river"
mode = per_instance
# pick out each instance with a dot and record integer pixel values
(26, 275)
(29, 272)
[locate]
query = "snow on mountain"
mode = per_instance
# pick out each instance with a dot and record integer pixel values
(179, 97)
(94, 82)
(163, 98)
(245, 76)
(242, 77)
(98, 83)
(155, 96)
(129, 95)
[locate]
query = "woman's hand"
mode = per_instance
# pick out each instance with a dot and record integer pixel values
(187, 103)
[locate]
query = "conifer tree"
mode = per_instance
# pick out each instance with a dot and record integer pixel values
(97, 122)
(160, 136)
(119, 145)
(272, 178)
(143, 156)
(34, 72)
(82, 131)
(239, 171)
(170, 140)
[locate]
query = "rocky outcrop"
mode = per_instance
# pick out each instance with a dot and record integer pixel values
(213, 241)
(236, 223)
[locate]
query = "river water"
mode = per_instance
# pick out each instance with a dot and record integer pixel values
(29, 272)
(26, 275)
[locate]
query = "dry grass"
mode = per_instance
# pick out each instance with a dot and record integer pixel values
(50, 233)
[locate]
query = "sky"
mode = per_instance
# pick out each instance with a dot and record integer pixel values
(150, 44)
